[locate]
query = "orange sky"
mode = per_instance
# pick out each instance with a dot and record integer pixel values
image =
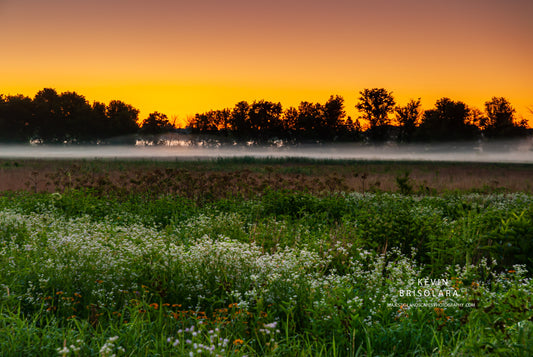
(183, 57)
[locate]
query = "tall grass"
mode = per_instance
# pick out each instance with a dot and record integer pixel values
(284, 274)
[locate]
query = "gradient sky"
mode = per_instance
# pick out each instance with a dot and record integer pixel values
(183, 57)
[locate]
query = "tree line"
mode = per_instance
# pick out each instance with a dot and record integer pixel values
(68, 117)
(380, 119)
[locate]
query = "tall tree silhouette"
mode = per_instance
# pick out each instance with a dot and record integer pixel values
(376, 104)
(310, 120)
(408, 118)
(334, 115)
(239, 120)
(76, 114)
(49, 123)
(501, 121)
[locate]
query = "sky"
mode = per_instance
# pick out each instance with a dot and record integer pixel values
(186, 57)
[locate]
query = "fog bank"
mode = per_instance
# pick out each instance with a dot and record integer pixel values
(520, 151)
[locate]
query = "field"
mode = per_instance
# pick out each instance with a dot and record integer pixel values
(265, 258)
(249, 177)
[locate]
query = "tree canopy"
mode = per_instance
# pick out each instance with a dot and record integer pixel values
(375, 105)
(52, 117)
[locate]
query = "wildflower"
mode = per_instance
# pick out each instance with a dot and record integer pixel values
(154, 305)
(238, 342)
(512, 271)
(63, 351)
(271, 325)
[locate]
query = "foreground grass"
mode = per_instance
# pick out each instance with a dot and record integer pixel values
(284, 274)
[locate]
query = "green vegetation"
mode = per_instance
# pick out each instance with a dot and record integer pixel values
(281, 273)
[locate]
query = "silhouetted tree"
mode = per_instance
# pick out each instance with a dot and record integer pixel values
(310, 120)
(16, 118)
(351, 130)
(500, 113)
(448, 121)
(500, 120)
(203, 123)
(477, 118)
(69, 118)
(408, 118)
(76, 114)
(123, 119)
(221, 119)
(334, 115)
(265, 119)
(50, 124)
(290, 122)
(156, 123)
(239, 121)
(212, 121)
(376, 104)
(99, 123)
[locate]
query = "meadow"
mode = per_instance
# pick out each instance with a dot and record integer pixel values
(170, 264)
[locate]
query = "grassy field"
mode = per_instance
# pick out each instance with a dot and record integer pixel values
(248, 176)
(171, 265)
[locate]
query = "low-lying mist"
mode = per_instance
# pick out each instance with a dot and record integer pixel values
(517, 151)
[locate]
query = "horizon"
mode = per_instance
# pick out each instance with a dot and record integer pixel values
(182, 59)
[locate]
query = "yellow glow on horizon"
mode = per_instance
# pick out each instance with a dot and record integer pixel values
(183, 101)
(182, 58)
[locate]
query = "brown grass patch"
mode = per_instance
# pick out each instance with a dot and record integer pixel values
(215, 180)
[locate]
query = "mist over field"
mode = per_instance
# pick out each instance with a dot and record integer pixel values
(509, 151)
